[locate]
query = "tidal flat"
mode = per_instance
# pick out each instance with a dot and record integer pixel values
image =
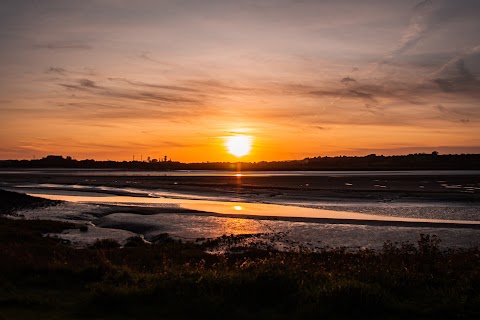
(317, 209)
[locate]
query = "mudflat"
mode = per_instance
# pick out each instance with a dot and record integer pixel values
(305, 187)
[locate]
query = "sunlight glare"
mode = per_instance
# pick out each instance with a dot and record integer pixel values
(239, 145)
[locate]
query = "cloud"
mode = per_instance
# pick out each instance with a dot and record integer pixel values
(453, 115)
(472, 51)
(218, 86)
(64, 45)
(150, 85)
(444, 85)
(347, 80)
(57, 70)
(93, 112)
(81, 85)
(430, 17)
(364, 95)
(89, 86)
(416, 30)
(66, 73)
(147, 56)
(362, 100)
(373, 109)
(465, 74)
(341, 93)
(462, 81)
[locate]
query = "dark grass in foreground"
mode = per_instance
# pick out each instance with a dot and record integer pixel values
(43, 278)
(11, 202)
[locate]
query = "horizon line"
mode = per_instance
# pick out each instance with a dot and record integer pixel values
(69, 158)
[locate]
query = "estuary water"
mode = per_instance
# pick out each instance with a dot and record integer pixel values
(225, 173)
(120, 209)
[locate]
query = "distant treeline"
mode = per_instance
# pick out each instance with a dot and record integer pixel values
(418, 161)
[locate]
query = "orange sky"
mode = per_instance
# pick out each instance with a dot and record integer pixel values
(114, 79)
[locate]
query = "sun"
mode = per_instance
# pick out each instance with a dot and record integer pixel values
(239, 145)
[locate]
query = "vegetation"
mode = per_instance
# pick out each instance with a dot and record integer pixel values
(418, 161)
(42, 277)
(45, 278)
(11, 202)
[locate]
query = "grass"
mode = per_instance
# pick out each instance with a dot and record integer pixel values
(44, 278)
(11, 202)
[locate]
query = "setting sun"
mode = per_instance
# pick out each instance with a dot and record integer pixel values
(239, 145)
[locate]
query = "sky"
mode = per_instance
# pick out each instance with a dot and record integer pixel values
(114, 79)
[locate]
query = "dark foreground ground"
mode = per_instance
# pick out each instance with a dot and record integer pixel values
(45, 278)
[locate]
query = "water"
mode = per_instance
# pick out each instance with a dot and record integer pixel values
(225, 203)
(220, 173)
(122, 223)
(118, 211)
(258, 210)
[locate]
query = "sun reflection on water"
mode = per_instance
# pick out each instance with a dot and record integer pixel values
(238, 208)
(240, 226)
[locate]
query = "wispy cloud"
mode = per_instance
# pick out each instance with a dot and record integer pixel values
(339, 93)
(91, 87)
(416, 30)
(348, 80)
(57, 70)
(452, 114)
(151, 85)
(63, 45)
(463, 81)
(444, 68)
(218, 86)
